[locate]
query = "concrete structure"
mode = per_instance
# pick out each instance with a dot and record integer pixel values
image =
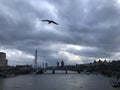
(3, 60)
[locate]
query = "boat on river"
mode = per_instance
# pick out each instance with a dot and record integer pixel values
(115, 83)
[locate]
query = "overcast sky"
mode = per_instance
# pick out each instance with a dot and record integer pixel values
(87, 30)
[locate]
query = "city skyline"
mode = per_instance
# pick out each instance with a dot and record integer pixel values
(87, 30)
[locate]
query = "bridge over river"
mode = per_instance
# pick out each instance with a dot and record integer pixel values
(60, 72)
(57, 71)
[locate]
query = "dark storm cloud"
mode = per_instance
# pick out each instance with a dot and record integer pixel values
(87, 23)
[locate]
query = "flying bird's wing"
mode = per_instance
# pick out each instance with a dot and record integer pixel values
(54, 22)
(50, 21)
(45, 20)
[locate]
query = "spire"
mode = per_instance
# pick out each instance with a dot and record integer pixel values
(35, 58)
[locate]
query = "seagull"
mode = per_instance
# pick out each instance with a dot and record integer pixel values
(50, 21)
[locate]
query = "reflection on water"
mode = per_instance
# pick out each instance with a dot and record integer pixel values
(56, 82)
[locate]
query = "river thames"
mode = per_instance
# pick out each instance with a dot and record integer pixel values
(57, 82)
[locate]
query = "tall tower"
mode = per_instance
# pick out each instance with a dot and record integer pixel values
(57, 64)
(62, 63)
(35, 59)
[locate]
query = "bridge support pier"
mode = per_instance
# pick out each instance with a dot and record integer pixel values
(78, 71)
(66, 72)
(53, 71)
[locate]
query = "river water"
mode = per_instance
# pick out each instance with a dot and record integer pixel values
(57, 82)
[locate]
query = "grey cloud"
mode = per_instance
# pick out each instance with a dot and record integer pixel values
(92, 23)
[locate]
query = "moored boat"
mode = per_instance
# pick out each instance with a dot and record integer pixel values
(115, 83)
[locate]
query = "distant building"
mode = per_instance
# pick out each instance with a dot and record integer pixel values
(62, 63)
(46, 65)
(3, 60)
(57, 64)
(24, 67)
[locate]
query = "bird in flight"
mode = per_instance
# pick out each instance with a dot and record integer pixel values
(50, 21)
